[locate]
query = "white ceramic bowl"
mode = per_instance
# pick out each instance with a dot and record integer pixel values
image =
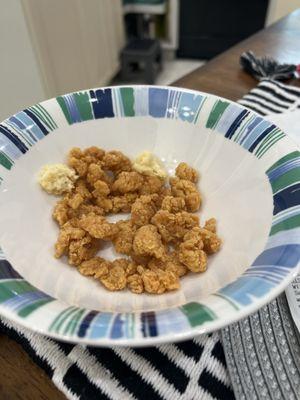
(249, 176)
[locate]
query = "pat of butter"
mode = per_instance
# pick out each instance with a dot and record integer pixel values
(147, 163)
(57, 178)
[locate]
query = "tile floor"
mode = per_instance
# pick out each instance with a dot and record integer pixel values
(172, 70)
(175, 69)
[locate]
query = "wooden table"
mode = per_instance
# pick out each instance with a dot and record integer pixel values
(223, 75)
(20, 378)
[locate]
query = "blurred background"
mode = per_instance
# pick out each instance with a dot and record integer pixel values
(50, 47)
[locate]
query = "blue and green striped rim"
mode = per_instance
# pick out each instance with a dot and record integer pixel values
(269, 274)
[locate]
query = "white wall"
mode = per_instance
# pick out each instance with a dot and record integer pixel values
(20, 82)
(280, 8)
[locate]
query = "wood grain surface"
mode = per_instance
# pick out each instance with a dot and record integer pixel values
(223, 75)
(20, 378)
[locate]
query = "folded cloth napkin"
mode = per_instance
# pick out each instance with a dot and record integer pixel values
(261, 351)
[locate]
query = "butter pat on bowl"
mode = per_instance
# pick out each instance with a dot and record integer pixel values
(57, 178)
(147, 163)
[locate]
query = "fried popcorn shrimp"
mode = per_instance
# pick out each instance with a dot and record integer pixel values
(173, 227)
(123, 240)
(98, 227)
(96, 173)
(76, 161)
(173, 204)
(75, 200)
(82, 249)
(160, 242)
(173, 264)
(191, 251)
(82, 189)
(123, 203)
(67, 233)
(127, 182)
(147, 242)
(115, 280)
(151, 184)
(212, 242)
(116, 161)
(85, 209)
(143, 209)
(187, 190)
(101, 189)
(184, 171)
(96, 267)
(60, 212)
(121, 262)
(158, 281)
(135, 283)
(211, 225)
(95, 153)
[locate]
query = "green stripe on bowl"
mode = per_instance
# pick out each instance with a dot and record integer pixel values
(64, 108)
(197, 313)
(61, 318)
(288, 157)
(286, 180)
(216, 113)
(24, 312)
(127, 96)
(82, 100)
(9, 289)
(291, 223)
(73, 322)
(5, 161)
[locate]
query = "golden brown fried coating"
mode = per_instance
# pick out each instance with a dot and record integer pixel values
(82, 189)
(191, 251)
(96, 173)
(151, 184)
(158, 281)
(123, 240)
(116, 161)
(67, 233)
(76, 161)
(121, 262)
(173, 204)
(143, 209)
(173, 227)
(135, 283)
(211, 225)
(96, 267)
(94, 152)
(184, 171)
(147, 242)
(211, 241)
(127, 182)
(187, 190)
(85, 209)
(82, 249)
(163, 240)
(115, 280)
(60, 212)
(123, 203)
(98, 227)
(171, 263)
(101, 189)
(75, 200)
